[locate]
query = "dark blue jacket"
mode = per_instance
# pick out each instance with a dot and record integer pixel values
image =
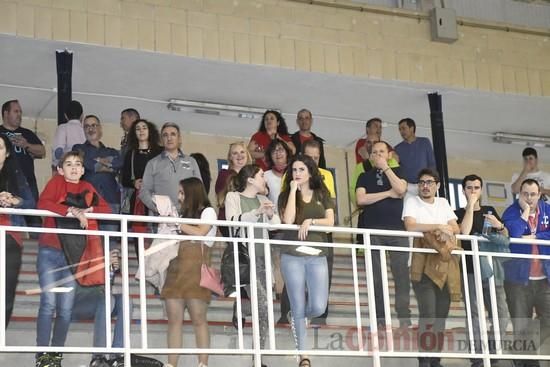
(104, 182)
(517, 270)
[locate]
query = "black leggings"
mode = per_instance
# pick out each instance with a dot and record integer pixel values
(13, 265)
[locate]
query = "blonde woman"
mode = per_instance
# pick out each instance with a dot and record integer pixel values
(237, 157)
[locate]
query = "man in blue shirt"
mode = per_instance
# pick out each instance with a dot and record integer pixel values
(101, 163)
(415, 153)
(527, 280)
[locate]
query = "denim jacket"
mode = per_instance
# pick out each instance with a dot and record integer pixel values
(27, 200)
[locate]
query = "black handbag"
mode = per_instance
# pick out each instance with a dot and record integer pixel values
(228, 265)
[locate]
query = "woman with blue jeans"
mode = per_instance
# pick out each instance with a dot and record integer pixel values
(306, 201)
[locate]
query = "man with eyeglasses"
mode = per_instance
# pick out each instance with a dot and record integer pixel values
(379, 192)
(101, 163)
(471, 219)
(101, 166)
(531, 170)
(432, 275)
(527, 280)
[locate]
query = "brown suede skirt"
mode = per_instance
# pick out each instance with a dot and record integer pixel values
(184, 273)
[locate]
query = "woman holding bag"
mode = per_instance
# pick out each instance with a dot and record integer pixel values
(247, 204)
(182, 287)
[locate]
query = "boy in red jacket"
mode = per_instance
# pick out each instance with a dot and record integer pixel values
(57, 281)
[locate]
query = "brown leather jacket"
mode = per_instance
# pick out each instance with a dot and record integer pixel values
(442, 268)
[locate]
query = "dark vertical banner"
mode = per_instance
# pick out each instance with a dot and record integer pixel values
(438, 139)
(64, 61)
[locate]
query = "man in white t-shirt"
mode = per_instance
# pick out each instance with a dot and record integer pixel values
(427, 213)
(531, 170)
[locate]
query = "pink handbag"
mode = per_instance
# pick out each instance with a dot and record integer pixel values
(210, 277)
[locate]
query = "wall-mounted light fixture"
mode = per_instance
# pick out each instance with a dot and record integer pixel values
(521, 139)
(216, 109)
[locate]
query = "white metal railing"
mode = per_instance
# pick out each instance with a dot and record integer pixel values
(374, 352)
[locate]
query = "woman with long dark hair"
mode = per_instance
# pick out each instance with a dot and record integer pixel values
(182, 288)
(143, 144)
(278, 154)
(273, 126)
(248, 204)
(306, 201)
(15, 192)
(204, 168)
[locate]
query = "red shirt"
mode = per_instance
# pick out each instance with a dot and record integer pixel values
(303, 138)
(263, 140)
(536, 270)
(360, 143)
(51, 198)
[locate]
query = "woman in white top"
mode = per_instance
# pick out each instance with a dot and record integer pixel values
(182, 287)
(247, 204)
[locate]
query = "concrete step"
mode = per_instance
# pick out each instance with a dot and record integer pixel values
(225, 336)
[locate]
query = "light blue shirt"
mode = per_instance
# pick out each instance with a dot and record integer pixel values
(414, 157)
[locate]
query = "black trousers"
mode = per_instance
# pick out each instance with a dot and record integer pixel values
(13, 265)
(433, 309)
(529, 333)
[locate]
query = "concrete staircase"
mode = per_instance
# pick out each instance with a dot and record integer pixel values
(339, 334)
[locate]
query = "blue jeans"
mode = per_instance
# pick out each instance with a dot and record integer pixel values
(112, 225)
(303, 273)
(503, 315)
(53, 272)
(90, 304)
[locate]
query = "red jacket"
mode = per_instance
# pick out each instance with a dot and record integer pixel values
(51, 198)
(89, 270)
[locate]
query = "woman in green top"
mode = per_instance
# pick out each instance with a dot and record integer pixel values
(305, 201)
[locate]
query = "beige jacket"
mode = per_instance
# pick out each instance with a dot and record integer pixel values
(233, 212)
(442, 268)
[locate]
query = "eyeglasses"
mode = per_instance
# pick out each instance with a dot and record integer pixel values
(91, 126)
(428, 183)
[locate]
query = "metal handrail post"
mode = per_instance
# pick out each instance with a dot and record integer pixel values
(254, 298)
(127, 318)
(371, 299)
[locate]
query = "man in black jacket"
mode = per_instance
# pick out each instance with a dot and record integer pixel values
(304, 120)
